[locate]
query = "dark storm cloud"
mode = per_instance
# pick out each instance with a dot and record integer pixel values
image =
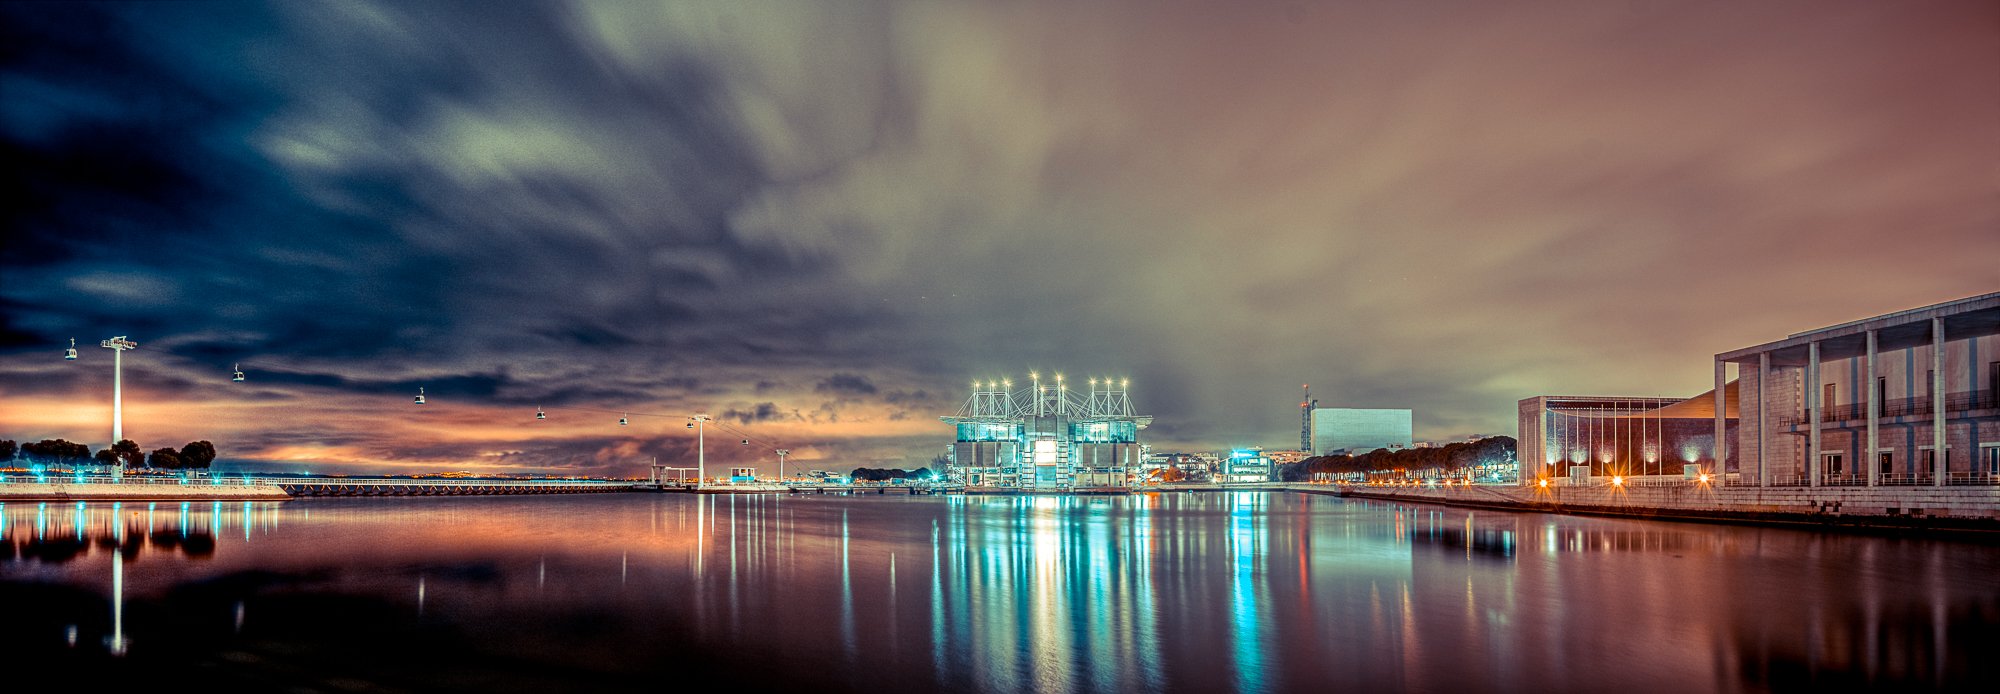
(763, 411)
(688, 206)
(845, 384)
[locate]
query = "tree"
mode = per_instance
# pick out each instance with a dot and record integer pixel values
(165, 459)
(198, 454)
(129, 452)
(105, 457)
(55, 451)
(7, 450)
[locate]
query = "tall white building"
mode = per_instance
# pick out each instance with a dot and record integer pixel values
(1359, 430)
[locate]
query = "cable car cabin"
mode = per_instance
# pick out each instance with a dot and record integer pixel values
(70, 354)
(239, 374)
(621, 421)
(742, 474)
(539, 414)
(420, 396)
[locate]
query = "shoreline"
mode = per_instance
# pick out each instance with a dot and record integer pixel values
(88, 491)
(1959, 517)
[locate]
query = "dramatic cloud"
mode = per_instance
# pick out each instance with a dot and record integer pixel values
(820, 221)
(845, 384)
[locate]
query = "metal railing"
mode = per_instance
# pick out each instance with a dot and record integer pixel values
(1900, 407)
(228, 480)
(30, 478)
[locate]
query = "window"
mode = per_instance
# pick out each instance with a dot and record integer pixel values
(1887, 459)
(1881, 395)
(1928, 460)
(1045, 452)
(1993, 384)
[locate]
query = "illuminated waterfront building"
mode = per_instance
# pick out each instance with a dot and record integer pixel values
(1582, 436)
(1246, 465)
(1866, 403)
(1047, 437)
(1871, 402)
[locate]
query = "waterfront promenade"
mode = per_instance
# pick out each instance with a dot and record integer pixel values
(1954, 508)
(63, 488)
(68, 489)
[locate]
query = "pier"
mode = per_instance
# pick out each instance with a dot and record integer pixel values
(352, 487)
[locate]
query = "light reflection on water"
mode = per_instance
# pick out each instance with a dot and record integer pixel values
(1242, 591)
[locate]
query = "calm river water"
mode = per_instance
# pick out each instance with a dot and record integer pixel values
(1184, 592)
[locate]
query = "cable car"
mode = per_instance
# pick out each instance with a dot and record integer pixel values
(746, 442)
(690, 425)
(70, 354)
(420, 395)
(621, 420)
(239, 374)
(539, 414)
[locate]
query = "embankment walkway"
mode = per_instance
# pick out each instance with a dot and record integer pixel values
(1954, 508)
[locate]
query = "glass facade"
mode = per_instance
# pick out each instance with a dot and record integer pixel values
(1357, 430)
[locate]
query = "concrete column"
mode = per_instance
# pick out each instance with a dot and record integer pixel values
(1721, 424)
(1869, 456)
(1813, 411)
(1938, 451)
(1763, 419)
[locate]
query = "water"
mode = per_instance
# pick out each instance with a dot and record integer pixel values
(1189, 592)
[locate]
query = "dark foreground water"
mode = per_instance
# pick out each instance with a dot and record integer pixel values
(1202, 592)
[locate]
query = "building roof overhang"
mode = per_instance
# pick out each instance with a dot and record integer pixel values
(1971, 317)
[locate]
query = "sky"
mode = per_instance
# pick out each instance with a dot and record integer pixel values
(819, 222)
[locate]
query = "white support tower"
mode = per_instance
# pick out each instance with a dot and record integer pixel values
(701, 448)
(118, 346)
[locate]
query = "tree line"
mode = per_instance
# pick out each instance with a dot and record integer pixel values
(196, 455)
(869, 474)
(1448, 458)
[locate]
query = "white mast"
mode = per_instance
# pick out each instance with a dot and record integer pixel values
(118, 345)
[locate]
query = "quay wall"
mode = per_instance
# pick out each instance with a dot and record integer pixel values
(1975, 508)
(18, 491)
